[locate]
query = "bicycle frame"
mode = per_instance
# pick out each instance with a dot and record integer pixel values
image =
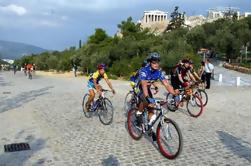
(99, 101)
(160, 115)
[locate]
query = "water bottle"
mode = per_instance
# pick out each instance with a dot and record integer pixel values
(152, 119)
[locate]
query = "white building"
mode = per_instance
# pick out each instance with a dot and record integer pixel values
(247, 14)
(155, 20)
(217, 13)
(153, 16)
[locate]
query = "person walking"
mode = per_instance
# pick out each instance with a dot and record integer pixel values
(202, 74)
(209, 68)
(75, 69)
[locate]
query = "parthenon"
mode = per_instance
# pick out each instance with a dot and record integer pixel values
(154, 16)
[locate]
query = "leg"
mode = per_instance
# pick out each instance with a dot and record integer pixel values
(208, 77)
(90, 99)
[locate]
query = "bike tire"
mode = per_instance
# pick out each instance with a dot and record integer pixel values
(165, 151)
(202, 93)
(131, 124)
(128, 103)
(170, 105)
(86, 113)
(105, 108)
(197, 104)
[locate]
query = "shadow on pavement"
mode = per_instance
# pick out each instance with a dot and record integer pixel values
(110, 161)
(22, 98)
(236, 145)
(21, 157)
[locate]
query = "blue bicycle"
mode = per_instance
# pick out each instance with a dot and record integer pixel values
(102, 106)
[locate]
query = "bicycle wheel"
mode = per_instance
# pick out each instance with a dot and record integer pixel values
(170, 102)
(130, 101)
(203, 95)
(86, 112)
(169, 138)
(134, 131)
(105, 111)
(194, 106)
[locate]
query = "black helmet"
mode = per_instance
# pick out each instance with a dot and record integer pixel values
(185, 61)
(153, 56)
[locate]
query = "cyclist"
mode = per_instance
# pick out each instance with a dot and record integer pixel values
(134, 79)
(148, 74)
(29, 68)
(181, 75)
(93, 83)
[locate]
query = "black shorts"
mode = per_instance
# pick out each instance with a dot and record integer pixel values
(175, 83)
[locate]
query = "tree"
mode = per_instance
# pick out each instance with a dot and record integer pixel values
(197, 38)
(177, 21)
(98, 37)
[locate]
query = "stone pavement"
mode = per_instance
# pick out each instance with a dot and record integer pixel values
(46, 112)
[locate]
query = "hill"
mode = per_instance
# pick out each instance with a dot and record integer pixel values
(15, 50)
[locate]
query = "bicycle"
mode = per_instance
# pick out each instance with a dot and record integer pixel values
(29, 75)
(194, 104)
(102, 106)
(167, 131)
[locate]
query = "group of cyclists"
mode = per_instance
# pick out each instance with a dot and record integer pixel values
(144, 78)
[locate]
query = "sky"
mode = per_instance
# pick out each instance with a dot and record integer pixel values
(60, 24)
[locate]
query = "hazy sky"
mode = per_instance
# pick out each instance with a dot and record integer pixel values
(57, 24)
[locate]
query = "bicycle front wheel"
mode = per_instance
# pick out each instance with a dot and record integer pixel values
(106, 112)
(169, 139)
(171, 102)
(194, 106)
(203, 96)
(130, 101)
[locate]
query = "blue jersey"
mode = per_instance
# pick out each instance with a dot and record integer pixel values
(150, 75)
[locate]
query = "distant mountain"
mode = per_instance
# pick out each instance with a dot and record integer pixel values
(14, 50)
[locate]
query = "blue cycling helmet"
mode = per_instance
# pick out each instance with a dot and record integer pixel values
(153, 56)
(101, 66)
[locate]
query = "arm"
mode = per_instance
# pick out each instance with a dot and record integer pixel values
(144, 87)
(191, 76)
(180, 78)
(109, 84)
(168, 87)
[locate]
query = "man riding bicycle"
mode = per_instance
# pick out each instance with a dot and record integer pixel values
(93, 83)
(148, 74)
(134, 78)
(181, 75)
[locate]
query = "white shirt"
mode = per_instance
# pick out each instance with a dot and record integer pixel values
(209, 68)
